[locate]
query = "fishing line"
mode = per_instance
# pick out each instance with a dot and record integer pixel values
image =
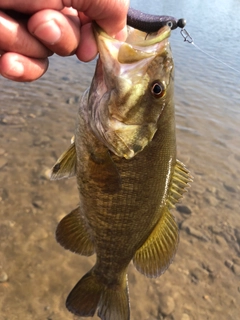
(186, 36)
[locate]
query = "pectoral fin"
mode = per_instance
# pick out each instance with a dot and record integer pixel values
(72, 234)
(104, 172)
(65, 167)
(156, 254)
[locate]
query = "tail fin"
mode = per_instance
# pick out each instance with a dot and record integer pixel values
(114, 303)
(91, 294)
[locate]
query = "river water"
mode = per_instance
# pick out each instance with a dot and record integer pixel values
(36, 124)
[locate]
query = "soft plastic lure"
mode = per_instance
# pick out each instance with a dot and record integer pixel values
(150, 22)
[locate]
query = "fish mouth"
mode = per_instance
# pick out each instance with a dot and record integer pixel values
(138, 45)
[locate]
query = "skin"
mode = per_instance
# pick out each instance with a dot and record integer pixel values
(55, 26)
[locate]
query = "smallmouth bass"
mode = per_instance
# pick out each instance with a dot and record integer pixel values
(124, 158)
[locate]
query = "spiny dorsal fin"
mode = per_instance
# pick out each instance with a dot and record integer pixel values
(179, 184)
(73, 235)
(65, 167)
(156, 254)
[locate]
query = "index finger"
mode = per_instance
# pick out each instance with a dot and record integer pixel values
(29, 6)
(109, 14)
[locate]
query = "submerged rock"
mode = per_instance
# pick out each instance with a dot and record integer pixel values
(199, 274)
(236, 261)
(236, 270)
(237, 235)
(3, 194)
(185, 316)
(184, 209)
(228, 264)
(229, 188)
(12, 120)
(194, 232)
(3, 276)
(3, 162)
(166, 305)
(212, 200)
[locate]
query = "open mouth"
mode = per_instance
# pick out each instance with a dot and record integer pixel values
(138, 45)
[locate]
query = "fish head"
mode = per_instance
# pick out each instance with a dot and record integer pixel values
(132, 85)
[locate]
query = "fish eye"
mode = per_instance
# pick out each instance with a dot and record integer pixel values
(170, 24)
(158, 89)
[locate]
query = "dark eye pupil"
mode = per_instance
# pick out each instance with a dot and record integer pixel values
(157, 89)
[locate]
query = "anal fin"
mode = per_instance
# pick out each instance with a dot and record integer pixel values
(73, 235)
(65, 167)
(157, 253)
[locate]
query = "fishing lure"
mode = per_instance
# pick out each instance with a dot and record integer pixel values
(152, 23)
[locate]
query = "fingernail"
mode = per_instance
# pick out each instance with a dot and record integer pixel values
(121, 35)
(48, 32)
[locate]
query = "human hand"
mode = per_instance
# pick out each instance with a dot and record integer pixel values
(54, 26)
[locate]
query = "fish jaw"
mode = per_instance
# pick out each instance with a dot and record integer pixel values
(123, 110)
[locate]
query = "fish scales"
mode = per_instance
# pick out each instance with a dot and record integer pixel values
(113, 217)
(124, 157)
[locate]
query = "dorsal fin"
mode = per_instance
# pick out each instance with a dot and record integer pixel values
(179, 184)
(65, 167)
